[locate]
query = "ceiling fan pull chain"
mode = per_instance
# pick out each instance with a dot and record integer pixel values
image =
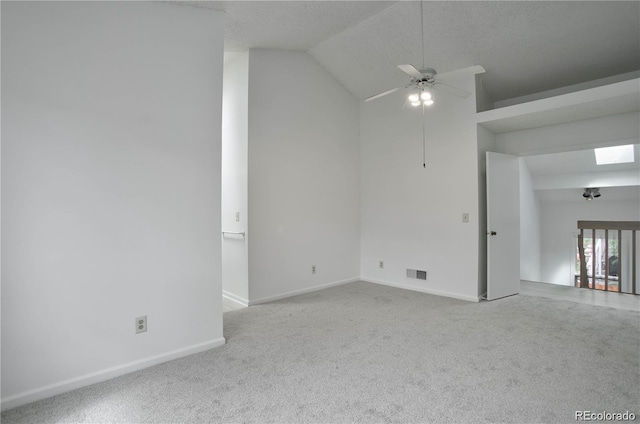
(424, 143)
(422, 32)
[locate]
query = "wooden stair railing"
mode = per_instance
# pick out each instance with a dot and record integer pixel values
(607, 226)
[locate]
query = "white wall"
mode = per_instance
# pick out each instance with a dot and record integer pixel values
(235, 121)
(587, 133)
(565, 90)
(623, 178)
(559, 227)
(412, 216)
(529, 227)
(483, 99)
(303, 176)
(111, 119)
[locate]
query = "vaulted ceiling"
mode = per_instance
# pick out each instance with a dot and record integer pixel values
(525, 46)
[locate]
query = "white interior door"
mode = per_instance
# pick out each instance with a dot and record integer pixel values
(503, 225)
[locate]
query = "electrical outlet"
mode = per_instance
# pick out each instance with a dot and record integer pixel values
(313, 269)
(237, 216)
(381, 265)
(141, 324)
(465, 217)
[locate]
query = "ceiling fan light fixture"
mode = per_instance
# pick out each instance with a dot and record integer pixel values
(428, 102)
(591, 193)
(413, 97)
(416, 103)
(425, 95)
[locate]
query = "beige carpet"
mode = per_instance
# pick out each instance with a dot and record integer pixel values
(364, 353)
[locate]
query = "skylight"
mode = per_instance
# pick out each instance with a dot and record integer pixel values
(615, 154)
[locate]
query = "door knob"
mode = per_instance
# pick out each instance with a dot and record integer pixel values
(492, 233)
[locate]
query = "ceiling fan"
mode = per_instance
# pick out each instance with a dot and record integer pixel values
(424, 80)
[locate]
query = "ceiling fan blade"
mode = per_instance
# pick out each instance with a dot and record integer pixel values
(463, 94)
(411, 71)
(472, 70)
(368, 99)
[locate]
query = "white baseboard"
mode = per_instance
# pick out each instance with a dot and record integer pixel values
(103, 375)
(302, 291)
(237, 299)
(422, 290)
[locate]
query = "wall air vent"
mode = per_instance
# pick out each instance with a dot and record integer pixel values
(416, 274)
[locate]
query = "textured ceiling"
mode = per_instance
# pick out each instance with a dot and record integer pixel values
(287, 25)
(526, 47)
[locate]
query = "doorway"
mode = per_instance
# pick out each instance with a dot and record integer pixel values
(235, 222)
(552, 203)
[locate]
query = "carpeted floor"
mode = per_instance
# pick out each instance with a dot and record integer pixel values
(364, 353)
